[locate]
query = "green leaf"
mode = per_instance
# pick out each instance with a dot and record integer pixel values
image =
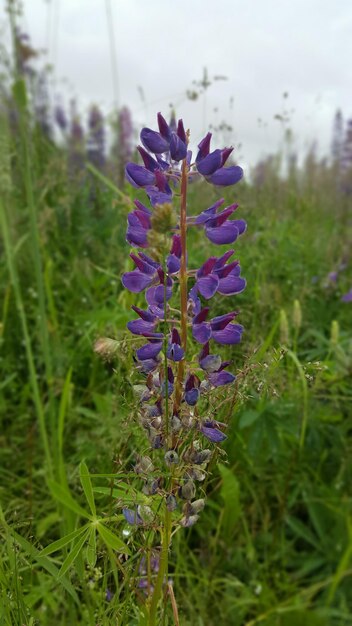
(111, 540)
(63, 495)
(20, 93)
(91, 549)
(60, 543)
(131, 496)
(230, 493)
(87, 487)
(73, 554)
(301, 530)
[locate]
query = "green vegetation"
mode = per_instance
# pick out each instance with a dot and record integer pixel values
(274, 543)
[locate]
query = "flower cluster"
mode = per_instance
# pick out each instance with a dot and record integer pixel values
(170, 399)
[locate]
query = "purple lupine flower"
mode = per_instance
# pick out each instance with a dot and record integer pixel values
(211, 164)
(60, 117)
(219, 328)
(96, 137)
(138, 226)
(216, 275)
(174, 351)
(192, 389)
(218, 228)
(214, 367)
(125, 134)
(210, 430)
(132, 517)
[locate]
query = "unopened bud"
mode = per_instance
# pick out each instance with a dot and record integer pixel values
(163, 219)
(297, 315)
(284, 328)
(106, 348)
(334, 333)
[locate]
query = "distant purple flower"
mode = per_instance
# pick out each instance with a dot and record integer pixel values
(96, 137)
(60, 117)
(347, 297)
(132, 517)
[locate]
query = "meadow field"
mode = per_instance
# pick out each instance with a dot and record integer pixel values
(273, 546)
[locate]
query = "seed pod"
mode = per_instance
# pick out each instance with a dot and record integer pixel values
(171, 458)
(187, 522)
(145, 513)
(171, 502)
(188, 490)
(144, 465)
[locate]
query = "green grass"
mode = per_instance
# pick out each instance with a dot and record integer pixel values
(274, 543)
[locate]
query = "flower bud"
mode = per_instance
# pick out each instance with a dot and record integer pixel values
(334, 333)
(106, 348)
(297, 315)
(284, 328)
(163, 219)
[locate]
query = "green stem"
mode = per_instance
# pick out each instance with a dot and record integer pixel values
(30, 358)
(163, 569)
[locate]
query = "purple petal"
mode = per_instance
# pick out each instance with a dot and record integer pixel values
(226, 233)
(219, 322)
(210, 163)
(155, 295)
(149, 351)
(231, 285)
(140, 327)
(226, 176)
(201, 332)
(191, 396)
(211, 363)
(347, 297)
(221, 378)
(223, 259)
(132, 517)
(213, 434)
(230, 335)
(204, 147)
(175, 352)
(163, 127)
(136, 281)
(205, 215)
(150, 163)
(147, 316)
(181, 133)
(158, 197)
(207, 285)
(178, 149)
(173, 264)
(138, 175)
(153, 141)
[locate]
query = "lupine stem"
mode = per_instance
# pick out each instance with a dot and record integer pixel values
(183, 283)
(163, 568)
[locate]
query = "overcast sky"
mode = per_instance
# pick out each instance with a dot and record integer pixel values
(264, 48)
